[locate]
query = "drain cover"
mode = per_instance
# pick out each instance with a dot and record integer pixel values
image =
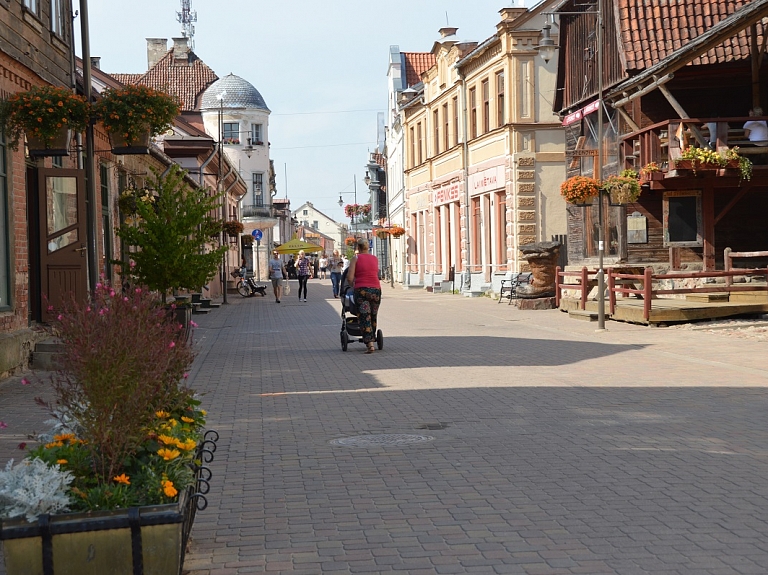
(381, 440)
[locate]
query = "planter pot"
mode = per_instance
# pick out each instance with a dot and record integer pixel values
(619, 198)
(182, 314)
(123, 147)
(148, 540)
(56, 146)
(696, 165)
(652, 176)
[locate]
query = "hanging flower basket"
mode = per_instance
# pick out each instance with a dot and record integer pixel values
(382, 233)
(130, 197)
(622, 190)
(357, 210)
(350, 241)
(396, 231)
(133, 114)
(47, 116)
(247, 240)
(580, 190)
(233, 228)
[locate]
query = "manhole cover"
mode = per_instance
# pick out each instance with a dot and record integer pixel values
(381, 440)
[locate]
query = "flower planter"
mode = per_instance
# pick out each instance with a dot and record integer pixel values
(181, 314)
(696, 166)
(123, 147)
(56, 146)
(148, 540)
(652, 176)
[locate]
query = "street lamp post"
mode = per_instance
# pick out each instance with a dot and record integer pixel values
(547, 48)
(341, 202)
(220, 98)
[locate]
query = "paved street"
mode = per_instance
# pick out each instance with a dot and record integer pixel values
(513, 442)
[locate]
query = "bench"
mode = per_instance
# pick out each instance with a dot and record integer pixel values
(509, 285)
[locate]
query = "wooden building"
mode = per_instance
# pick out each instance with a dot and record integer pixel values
(675, 74)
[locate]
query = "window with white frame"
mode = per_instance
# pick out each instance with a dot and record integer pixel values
(230, 132)
(258, 189)
(257, 136)
(57, 17)
(33, 6)
(5, 262)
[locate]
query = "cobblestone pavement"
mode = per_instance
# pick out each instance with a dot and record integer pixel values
(537, 445)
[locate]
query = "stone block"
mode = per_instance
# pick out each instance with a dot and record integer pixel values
(536, 303)
(526, 202)
(526, 161)
(526, 188)
(526, 174)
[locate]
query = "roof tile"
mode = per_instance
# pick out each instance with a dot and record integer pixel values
(417, 63)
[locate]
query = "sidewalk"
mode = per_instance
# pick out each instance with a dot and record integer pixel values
(482, 439)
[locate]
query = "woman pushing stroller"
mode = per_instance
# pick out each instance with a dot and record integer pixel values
(363, 274)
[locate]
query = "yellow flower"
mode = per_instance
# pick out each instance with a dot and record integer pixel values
(64, 437)
(168, 454)
(173, 422)
(122, 478)
(186, 419)
(166, 439)
(162, 414)
(168, 488)
(203, 412)
(61, 461)
(54, 444)
(187, 445)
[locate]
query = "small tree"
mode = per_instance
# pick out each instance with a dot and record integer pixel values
(169, 241)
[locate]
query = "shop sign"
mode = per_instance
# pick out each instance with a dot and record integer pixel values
(487, 180)
(579, 114)
(418, 201)
(446, 194)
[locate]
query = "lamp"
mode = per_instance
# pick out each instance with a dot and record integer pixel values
(547, 49)
(248, 148)
(367, 178)
(220, 98)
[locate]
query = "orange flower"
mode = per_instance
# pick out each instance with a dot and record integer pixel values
(186, 419)
(61, 461)
(168, 488)
(122, 478)
(187, 445)
(54, 444)
(162, 414)
(64, 437)
(168, 454)
(166, 439)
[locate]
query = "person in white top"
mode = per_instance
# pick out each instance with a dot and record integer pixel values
(756, 130)
(323, 266)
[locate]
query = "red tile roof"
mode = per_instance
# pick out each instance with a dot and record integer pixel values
(652, 29)
(187, 80)
(415, 64)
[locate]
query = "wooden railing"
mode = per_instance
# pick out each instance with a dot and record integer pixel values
(730, 255)
(617, 284)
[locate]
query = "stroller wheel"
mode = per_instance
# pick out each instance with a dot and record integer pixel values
(380, 339)
(344, 340)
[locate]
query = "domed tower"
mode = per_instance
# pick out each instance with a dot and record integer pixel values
(235, 113)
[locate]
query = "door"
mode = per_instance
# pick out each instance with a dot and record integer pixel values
(63, 250)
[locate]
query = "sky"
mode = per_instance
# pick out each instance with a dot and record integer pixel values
(321, 67)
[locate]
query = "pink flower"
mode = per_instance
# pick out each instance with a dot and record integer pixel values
(22, 445)
(101, 311)
(138, 290)
(172, 344)
(3, 425)
(99, 285)
(59, 317)
(186, 375)
(24, 381)
(125, 299)
(50, 308)
(88, 308)
(112, 293)
(192, 323)
(133, 264)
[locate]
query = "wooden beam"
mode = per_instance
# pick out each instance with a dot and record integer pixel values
(642, 91)
(740, 194)
(683, 115)
(628, 119)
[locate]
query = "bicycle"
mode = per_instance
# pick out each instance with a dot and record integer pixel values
(247, 287)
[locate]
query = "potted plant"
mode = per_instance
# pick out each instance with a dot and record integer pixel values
(169, 243)
(130, 197)
(651, 171)
(623, 189)
(230, 141)
(580, 190)
(695, 159)
(132, 114)
(124, 457)
(350, 241)
(247, 240)
(743, 163)
(396, 231)
(47, 116)
(233, 228)
(382, 233)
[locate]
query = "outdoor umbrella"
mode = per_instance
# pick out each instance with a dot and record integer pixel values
(296, 245)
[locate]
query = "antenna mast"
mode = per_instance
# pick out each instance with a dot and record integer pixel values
(186, 17)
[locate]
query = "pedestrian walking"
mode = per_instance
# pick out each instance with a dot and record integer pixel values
(303, 272)
(323, 266)
(277, 273)
(336, 265)
(363, 274)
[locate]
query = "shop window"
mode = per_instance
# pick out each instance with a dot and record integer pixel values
(682, 219)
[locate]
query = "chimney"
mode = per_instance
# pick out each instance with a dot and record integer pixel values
(447, 31)
(96, 62)
(156, 49)
(509, 14)
(181, 50)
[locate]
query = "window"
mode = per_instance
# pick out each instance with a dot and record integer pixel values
(106, 225)
(315, 224)
(256, 134)
(33, 6)
(420, 142)
(231, 132)
(473, 113)
(5, 262)
(258, 189)
(446, 122)
(525, 87)
(456, 121)
(499, 99)
(682, 219)
(412, 154)
(57, 161)
(486, 106)
(57, 17)
(436, 127)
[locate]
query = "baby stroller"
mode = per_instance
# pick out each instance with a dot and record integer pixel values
(350, 327)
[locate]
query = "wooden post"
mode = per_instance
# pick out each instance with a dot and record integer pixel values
(674, 258)
(708, 214)
(611, 293)
(727, 265)
(584, 287)
(557, 287)
(647, 293)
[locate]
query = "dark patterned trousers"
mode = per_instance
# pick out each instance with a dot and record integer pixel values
(368, 300)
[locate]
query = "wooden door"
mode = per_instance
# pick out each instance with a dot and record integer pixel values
(63, 247)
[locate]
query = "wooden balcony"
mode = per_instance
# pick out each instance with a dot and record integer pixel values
(663, 143)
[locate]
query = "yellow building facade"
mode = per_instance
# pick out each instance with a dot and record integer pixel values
(484, 157)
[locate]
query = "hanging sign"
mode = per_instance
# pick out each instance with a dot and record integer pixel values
(257, 234)
(579, 114)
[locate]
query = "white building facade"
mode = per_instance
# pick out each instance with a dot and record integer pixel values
(309, 216)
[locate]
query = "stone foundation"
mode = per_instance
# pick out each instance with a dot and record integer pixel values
(536, 303)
